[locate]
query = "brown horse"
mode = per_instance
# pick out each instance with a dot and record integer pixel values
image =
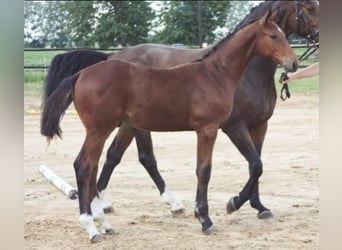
(196, 96)
(246, 126)
(253, 106)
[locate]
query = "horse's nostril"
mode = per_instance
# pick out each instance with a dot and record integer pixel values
(316, 35)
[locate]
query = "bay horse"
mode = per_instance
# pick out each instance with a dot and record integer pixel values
(253, 106)
(195, 96)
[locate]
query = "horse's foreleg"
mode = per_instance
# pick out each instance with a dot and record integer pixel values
(242, 139)
(86, 169)
(148, 160)
(206, 137)
(115, 152)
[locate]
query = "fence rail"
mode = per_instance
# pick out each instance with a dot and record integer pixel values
(67, 49)
(39, 66)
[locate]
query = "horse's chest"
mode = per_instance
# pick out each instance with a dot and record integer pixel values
(253, 106)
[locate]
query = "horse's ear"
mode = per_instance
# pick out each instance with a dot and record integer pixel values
(269, 16)
(274, 17)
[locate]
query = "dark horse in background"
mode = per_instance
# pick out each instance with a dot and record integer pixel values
(196, 96)
(253, 106)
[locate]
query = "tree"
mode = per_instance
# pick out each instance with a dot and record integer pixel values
(44, 25)
(54, 25)
(180, 19)
(124, 23)
(108, 23)
(81, 21)
(33, 12)
(238, 12)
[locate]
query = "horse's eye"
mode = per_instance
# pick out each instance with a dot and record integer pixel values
(311, 9)
(272, 36)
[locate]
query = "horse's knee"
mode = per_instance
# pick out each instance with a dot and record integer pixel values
(147, 160)
(256, 168)
(113, 159)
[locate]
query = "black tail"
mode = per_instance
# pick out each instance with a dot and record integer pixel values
(67, 64)
(55, 106)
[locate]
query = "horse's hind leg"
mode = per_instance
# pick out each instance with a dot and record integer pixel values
(115, 152)
(258, 136)
(249, 148)
(148, 160)
(86, 165)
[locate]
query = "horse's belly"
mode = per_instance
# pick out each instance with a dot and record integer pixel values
(158, 120)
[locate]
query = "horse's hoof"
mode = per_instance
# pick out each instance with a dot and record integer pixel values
(95, 238)
(211, 230)
(177, 210)
(109, 231)
(267, 214)
(231, 206)
(108, 210)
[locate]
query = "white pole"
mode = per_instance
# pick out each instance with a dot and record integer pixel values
(62, 185)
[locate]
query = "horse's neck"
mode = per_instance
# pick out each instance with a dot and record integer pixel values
(234, 54)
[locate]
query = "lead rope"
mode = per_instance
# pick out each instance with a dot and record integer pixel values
(285, 92)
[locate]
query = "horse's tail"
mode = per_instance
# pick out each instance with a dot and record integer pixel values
(55, 106)
(67, 64)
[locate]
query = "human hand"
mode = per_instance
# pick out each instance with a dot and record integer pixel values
(284, 78)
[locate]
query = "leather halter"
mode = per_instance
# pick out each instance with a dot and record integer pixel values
(301, 18)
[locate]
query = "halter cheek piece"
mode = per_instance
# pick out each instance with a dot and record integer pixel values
(300, 17)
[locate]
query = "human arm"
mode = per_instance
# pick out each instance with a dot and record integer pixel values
(309, 71)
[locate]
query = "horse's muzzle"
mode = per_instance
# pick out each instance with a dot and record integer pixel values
(291, 66)
(314, 36)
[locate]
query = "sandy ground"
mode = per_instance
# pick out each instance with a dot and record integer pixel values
(289, 187)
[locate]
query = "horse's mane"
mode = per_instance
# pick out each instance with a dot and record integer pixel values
(254, 14)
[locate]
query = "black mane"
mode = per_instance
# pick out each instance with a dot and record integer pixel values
(255, 13)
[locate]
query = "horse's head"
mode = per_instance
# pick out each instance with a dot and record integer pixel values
(300, 17)
(271, 42)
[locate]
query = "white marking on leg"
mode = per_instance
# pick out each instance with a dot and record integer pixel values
(87, 222)
(198, 213)
(175, 202)
(99, 216)
(167, 196)
(104, 203)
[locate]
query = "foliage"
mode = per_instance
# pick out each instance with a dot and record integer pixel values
(115, 23)
(44, 25)
(32, 15)
(124, 23)
(81, 20)
(181, 22)
(87, 23)
(237, 12)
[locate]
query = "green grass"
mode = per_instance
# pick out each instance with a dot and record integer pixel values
(34, 76)
(33, 82)
(39, 58)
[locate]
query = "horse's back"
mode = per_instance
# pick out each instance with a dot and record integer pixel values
(158, 55)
